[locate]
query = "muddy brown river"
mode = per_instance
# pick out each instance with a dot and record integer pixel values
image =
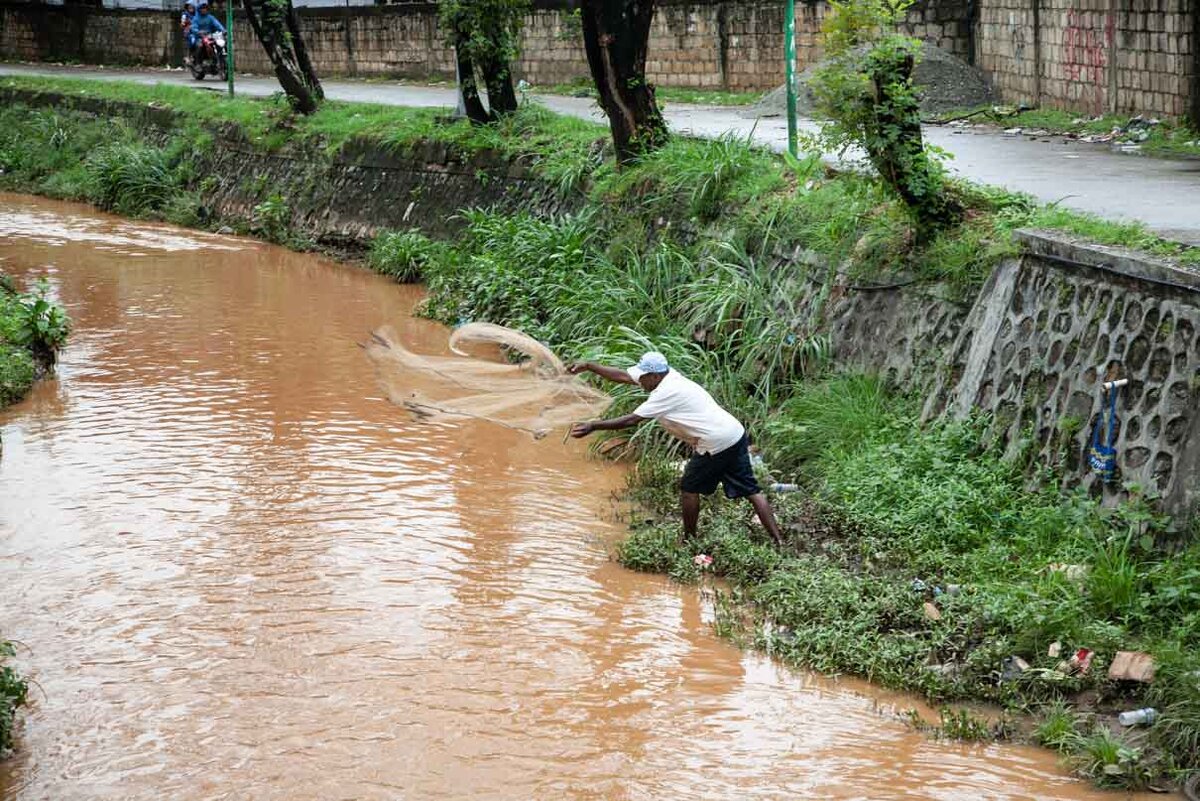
(236, 572)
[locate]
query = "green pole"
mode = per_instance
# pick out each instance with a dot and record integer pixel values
(789, 48)
(229, 43)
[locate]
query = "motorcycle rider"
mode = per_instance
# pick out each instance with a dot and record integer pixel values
(203, 24)
(185, 26)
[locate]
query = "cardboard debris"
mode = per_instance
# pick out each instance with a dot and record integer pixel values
(932, 612)
(1132, 666)
(1054, 650)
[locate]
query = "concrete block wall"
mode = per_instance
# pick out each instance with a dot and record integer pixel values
(1091, 56)
(704, 44)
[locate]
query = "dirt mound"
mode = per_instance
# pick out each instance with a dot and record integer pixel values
(946, 83)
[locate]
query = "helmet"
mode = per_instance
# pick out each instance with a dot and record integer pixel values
(203, 4)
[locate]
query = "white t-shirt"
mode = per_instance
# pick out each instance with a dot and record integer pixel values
(684, 408)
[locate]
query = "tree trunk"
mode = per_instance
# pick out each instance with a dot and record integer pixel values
(306, 68)
(502, 98)
(476, 113)
(616, 34)
(275, 25)
(901, 159)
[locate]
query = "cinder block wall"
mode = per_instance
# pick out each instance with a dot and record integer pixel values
(1091, 56)
(693, 43)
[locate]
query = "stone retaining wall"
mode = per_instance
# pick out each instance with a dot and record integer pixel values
(1050, 328)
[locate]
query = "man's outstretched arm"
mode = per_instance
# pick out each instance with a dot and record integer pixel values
(583, 429)
(610, 373)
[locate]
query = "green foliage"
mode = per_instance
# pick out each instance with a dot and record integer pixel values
(13, 691)
(130, 178)
(34, 322)
(403, 255)
(833, 417)
(866, 92)
(272, 220)
(1057, 728)
(16, 373)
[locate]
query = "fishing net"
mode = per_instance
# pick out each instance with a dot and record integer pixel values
(497, 374)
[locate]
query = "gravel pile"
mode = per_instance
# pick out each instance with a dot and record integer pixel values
(946, 83)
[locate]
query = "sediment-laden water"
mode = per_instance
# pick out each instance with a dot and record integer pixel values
(238, 572)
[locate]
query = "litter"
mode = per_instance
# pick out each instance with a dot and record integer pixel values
(1079, 663)
(1132, 666)
(1139, 717)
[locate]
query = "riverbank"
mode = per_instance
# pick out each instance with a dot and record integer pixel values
(754, 274)
(32, 329)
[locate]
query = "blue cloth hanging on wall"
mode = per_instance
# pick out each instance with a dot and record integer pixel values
(1103, 457)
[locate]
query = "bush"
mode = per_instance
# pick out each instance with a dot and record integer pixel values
(866, 90)
(131, 178)
(16, 373)
(34, 322)
(403, 255)
(13, 690)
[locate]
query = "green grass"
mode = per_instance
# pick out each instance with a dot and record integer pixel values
(13, 691)
(761, 200)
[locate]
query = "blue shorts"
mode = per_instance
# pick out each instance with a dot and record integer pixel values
(730, 467)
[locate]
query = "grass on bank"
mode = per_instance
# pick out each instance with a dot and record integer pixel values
(760, 200)
(894, 513)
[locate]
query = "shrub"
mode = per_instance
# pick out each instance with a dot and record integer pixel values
(403, 255)
(866, 90)
(13, 690)
(34, 322)
(131, 178)
(16, 373)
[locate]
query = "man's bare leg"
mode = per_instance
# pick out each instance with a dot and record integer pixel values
(690, 503)
(763, 508)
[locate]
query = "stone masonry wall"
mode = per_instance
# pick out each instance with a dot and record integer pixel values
(1092, 56)
(693, 43)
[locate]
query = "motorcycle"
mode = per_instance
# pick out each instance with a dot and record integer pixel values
(209, 58)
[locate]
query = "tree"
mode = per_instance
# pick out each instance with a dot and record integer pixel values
(616, 34)
(278, 30)
(486, 36)
(866, 91)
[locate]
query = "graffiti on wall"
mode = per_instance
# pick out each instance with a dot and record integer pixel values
(1085, 56)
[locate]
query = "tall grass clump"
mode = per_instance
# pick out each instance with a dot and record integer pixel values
(403, 255)
(131, 178)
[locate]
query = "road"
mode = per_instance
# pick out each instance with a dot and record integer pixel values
(1162, 193)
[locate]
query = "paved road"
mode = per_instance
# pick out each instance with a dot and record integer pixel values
(1164, 194)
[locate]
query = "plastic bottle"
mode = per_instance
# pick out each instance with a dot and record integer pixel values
(1138, 717)
(785, 487)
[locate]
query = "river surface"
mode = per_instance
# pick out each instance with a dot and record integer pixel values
(237, 572)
